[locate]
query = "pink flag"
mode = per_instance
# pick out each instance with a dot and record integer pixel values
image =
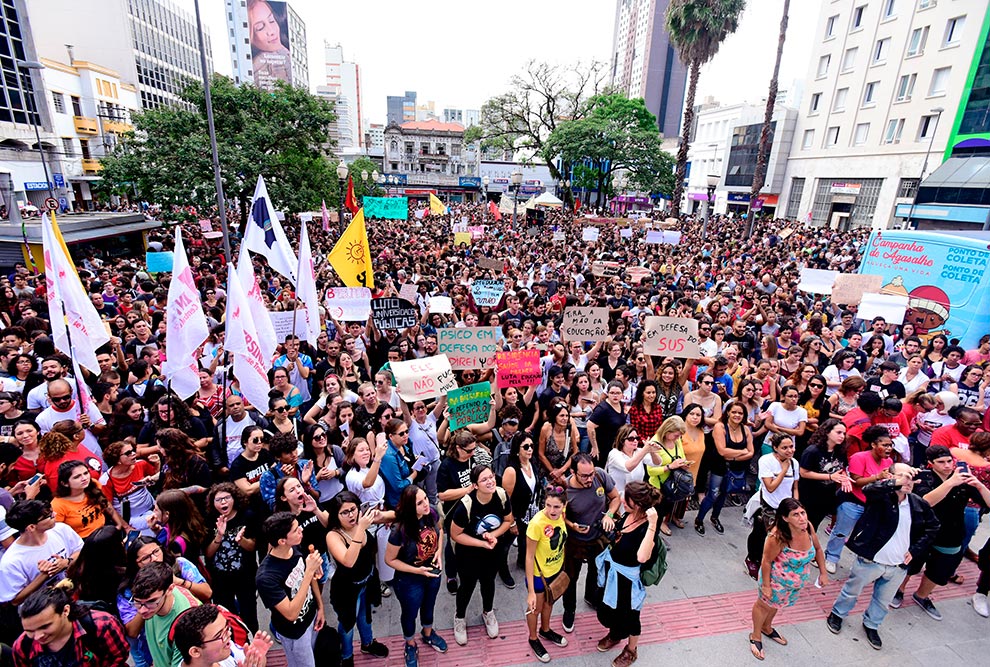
(326, 216)
(241, 340)
(262, 320)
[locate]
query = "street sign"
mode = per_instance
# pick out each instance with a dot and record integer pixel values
(51, 203)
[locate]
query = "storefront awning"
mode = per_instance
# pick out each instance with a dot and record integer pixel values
(961, 172)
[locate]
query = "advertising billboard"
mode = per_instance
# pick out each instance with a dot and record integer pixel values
(270, 57)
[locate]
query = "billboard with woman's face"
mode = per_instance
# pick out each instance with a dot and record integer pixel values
(269, 25)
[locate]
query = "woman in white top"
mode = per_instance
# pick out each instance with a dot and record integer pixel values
(933, 419)
(331, 390)
(625, 461)
(787, 417)
(779, 473)
(912, 377)
(363, 480)
(834, 374)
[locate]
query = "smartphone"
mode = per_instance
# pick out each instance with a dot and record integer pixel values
(34, 478)
(583, 526)
(371, 504)
(963, 467)
(435, 571)
(419, 464)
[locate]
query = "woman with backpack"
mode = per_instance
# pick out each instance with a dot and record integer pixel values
(478, 520)
(619, 571)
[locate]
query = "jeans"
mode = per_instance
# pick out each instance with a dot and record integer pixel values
(971, 519)
(584, 443)
(364, 628)
(845, 520)
(417, 595)
(299, 652)
(886, 579)
(714, 497)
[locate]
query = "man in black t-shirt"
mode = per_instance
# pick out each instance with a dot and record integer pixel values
(742, 338)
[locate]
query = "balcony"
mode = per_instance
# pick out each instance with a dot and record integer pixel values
(91, 165)
(117, 127)
(86, 125)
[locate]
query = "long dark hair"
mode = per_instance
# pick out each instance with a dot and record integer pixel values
(780, 525)
(94, 496)
(641, 389)
(338, 501)
(819, 438)
(405, 514)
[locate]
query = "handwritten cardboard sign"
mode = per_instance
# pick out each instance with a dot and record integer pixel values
(389, 208)
(349, 304)
(606, 269)
(890, 307)
(849, 288)
(391, 313)
(206, 225)
(469, 347)
(635, 274)
(559, 236)
(519, 368)
(282, 323)
(590, 234)
(671, 337)
(487, 292)
(462, 238)
(469, 405)
(492, 264)
(409, 292)
(476, 231)
(585, 324)
(423, 379)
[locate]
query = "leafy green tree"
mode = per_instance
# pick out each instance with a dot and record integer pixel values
(697, 28)
(281, 135)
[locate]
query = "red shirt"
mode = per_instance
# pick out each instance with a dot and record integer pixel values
(949, 436)
(121, 486)
(645, 424)
(856, 422)
(80, 454)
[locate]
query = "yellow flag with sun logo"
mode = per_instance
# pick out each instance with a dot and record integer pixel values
(351, 256)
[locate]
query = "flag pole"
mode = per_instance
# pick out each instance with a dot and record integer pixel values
(295, 300)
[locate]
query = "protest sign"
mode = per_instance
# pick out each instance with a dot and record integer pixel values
(159, 262)
(305, 217)
(559, 236)
(487, 292)
(585, 324)
(349, 304)
(519, 368)
(817, 281)
(469, 405)
(212, 235)
(409, 292)
(282, 323)
(205, 225)
(850, 287)
(441, 304)
(391, 313)
(419, 213)
(606, 269)
(469, 347)
(589, 234)
(389, 208)
(476, 231)
(462, 238)
(626, 232)
(654, 236)
(493, 264)
(672, 337)
(890, 307)
(423, 379)
(668, 236)
(636, 273)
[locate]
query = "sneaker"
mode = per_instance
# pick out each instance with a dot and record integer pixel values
(554, 638)
(927, 606)
(491, 623)
(873, 638)
(897, 600)
(625, 658)
(606, 643)
(699, 527)
(411, 654)
(507, 579)
(434, 641)
(452, 586)
(717, 525)
(375, 649)
(568, 622)
(834, 623)
(460, 631)
(830, 567)
(539, 651)
(386, 591)
(981, 605)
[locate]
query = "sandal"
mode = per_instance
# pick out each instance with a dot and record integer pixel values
(665, 529)
(957, 579)
(756, 648)
(677, 522)
(775, 636)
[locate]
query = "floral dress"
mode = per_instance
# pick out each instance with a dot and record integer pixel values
(789, 573)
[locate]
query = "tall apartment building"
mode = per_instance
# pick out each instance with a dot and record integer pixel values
(401, 108)
(344, 84)
(882, 76)
(466, 117)
(644, 63)
(267, 43)
(150, 44)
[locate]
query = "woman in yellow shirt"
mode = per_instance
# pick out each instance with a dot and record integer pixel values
(670, 456)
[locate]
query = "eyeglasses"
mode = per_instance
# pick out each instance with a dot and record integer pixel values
(257, 440)
(468, 450)
(150, 556)
(129, 452)
(581, 475)
(224, 635)
(148, 604)
(349, 512)
(379, 381)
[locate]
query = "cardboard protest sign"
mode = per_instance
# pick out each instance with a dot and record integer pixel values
(462, 238)
(560, 236)
(590, 234)
(817, 281)
(476, 231)
(423, 379)
(409, 292)
(890, 307)
(205, 226)
(606, 269)
(636, 273)
(389, 208)
(493, 264)
(469, 405)
(159, 262)
(282, 324)
(626, 233)
(519, 368)
(441, 304)
(850, 287)
(469, 347)
(349, 304)
(391, 313)
(671, 337)
(487, 292)
(585, 324)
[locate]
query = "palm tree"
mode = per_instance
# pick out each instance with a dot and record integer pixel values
(697, 29)
(763, 153)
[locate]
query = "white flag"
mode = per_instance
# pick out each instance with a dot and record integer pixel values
(241, 340)
(265, 236)
(186, 326)
(306, 289)
(68, 303)
(259, 312)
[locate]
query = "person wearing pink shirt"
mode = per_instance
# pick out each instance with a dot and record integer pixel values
(979, 356)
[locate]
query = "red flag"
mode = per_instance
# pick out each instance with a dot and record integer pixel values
(577, 205)
(493, 209)
(351, 201)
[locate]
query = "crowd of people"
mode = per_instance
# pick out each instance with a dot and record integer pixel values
(140, 526)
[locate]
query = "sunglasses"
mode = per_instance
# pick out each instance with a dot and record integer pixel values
(817, 385)
(528, 447)
(281, 409)
(406, 432)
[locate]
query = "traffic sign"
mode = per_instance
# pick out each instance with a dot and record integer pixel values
(51, 203)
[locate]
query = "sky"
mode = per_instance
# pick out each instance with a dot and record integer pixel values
(459, 54)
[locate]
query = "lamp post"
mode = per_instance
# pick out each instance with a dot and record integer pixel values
(938, 116)
(342, 181)
(35, 65)
(484, 202)
(364, 181)
(620, 183)
(709, 203)
(515, 182)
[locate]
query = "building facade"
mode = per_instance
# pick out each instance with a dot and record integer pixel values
(267, 43)
(644, 62)
(343, 86)
(430, 156)
(401, 108)
(881, 77)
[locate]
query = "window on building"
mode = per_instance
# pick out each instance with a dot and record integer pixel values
(839, 103)
(976, 111)
(881, 50)
(68, 146)
(410, 148)
(76, 106)
(823, 64)
(816, 100)
(808, 139)
(940, 81)
(925, 4)
(889, 8)
(870, 93)
(907, 188)
(84, 148)
(857, 20)
(794, 198)
(953, 31)
(895, 128)
(849, 59)
(830, 26)
(916, 45)
(905, 87)
(861, 134)
(58, 100)
(832, 136)
(927, 126)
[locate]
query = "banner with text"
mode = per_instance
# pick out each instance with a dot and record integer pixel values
(487, 292)
(349, 304)
(391, 313)
(423, 379)
(469, 405)
(672, 337)
(282, 324)
(584, 324)
(519, 368)
(389, 208)
(469, 347)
